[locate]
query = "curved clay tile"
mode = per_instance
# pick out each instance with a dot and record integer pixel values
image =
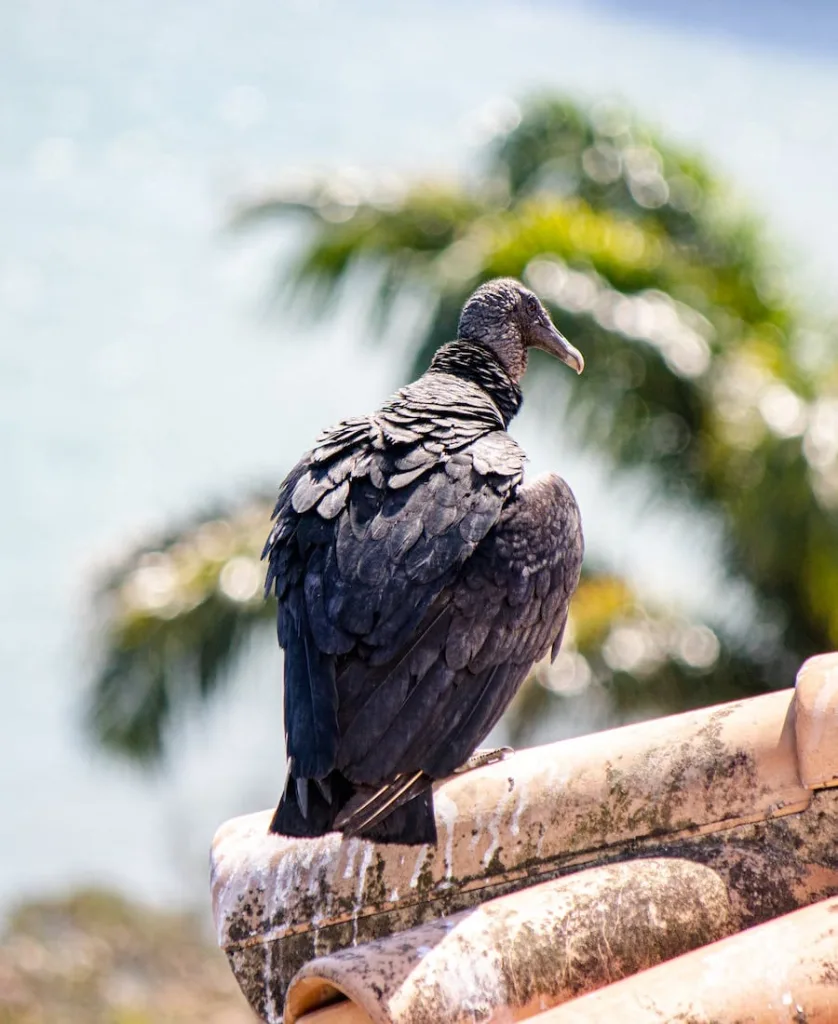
(786, 970)
(720, 786)
(816, 721)
(514, 956)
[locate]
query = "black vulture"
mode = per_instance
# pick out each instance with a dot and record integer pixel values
(418, 579)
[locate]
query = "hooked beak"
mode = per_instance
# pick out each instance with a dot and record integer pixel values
(549, 339)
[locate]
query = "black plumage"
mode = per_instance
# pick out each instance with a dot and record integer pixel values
(418, 579)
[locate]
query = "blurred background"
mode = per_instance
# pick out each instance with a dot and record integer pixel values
(229, 225)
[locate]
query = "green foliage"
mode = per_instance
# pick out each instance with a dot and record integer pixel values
(700, 374)
(177, 611)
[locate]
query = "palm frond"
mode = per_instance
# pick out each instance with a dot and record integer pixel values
(173, 617)
(623, 659)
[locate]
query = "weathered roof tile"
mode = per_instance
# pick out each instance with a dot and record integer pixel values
(524, 952)
(743, 789)
(786, 970)
(816, 725)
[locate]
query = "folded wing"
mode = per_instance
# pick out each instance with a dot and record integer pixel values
(424, 712)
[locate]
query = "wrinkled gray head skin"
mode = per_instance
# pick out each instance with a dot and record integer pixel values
(509, 319)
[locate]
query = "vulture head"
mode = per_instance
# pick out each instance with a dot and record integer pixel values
(509, 320)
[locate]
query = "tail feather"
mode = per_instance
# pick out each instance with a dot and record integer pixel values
(401, 812)
(411, 823)
(371, 804)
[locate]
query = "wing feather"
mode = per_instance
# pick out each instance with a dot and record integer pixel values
(311, 701)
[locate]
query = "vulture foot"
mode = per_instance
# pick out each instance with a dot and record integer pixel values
(480, 758)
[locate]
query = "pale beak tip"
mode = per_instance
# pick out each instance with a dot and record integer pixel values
(572, 357)
(550, 339)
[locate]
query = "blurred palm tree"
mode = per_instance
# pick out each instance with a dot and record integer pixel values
(701, 377)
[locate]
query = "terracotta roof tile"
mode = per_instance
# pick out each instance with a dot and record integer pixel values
(816, 711)
(786, 970)
(720, 787)
(526, 951)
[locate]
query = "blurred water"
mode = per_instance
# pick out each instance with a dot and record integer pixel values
(138, 374)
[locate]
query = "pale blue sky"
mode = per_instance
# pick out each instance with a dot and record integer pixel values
(806, 26)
